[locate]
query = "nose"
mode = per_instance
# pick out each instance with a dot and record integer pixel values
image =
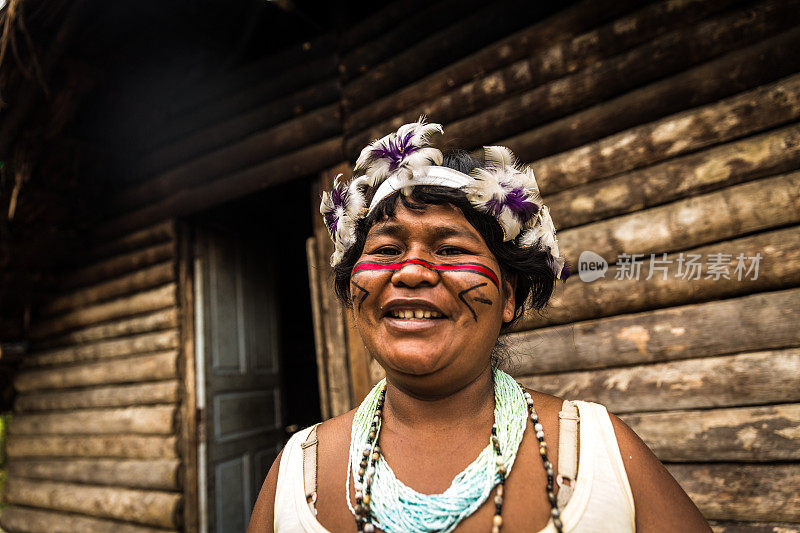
(413, 274)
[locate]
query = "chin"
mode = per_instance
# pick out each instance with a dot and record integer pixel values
(414, 362)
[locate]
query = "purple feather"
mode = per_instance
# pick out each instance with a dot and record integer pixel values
(517, 202)
(340, 196)
(395, 150)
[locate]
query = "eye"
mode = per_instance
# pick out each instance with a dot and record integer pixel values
(386, 250)
(451, 250)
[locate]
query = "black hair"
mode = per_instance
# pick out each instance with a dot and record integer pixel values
(529, 267)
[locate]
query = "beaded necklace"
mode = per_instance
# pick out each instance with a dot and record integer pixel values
(422, 513)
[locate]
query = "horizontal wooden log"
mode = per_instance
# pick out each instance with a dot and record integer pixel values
(136, 281)
(763, 321)
(553, 60)
(743, 114)
(271, 86)
(239, 126)
(709, 82)
(156, 234)
(155, 321)
(453, 42)
(278, 170)
(741, 491)
(753, 527)
(154, 508)
(121, 446)
(144, 420)
(120, 264)
(768, 433)
(107, 349)
(744, 160)
(720, 215)
(151, 367)
(721, 381)
(142, 302)
(113, 396)
(411, 27)
(558, 27)
(376, 23)
(31, 520)
(675, 52)
(262, 146)
(623, 291)
(156, 474)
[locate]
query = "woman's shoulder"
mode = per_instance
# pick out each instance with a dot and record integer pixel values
(336, 431)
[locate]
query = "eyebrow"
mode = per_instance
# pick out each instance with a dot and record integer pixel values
(439, 232)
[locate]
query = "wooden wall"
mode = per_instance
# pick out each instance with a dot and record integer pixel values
(97, 440)
(670, 127)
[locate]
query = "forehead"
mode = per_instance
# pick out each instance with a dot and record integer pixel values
(434, 220)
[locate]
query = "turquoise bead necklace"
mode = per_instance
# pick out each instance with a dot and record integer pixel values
(384, 502)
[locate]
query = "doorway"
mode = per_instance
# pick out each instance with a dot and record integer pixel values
(255, 359)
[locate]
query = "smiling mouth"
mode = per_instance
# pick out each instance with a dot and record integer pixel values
(415, 314)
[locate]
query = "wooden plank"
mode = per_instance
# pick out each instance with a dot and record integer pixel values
(113, 396)
(461, 38)
(740, 115)
(155, 321)
(734, 72)
(155, 234)
(121, 446)
(239, 126)
(262, 146)
(721, 381)
(120, 264)
(149, 507)
(742, 491)
(316, 286)
(617, 292)
(744, 160)
(302, 162)
(190, 433)
(551, 60)
(377, 23)
(560, 26)
(144, 420)
(676, 51)
(136, 281)
(129, 370)
(753, 527)
(763, 433)
(142, 302)
(157, 474)
(107, 349)
(30, 520)
(716, 216)
(763, 321)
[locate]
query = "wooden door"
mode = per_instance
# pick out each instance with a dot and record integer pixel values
(238, 375)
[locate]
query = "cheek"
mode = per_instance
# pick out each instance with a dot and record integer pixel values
(363, 284)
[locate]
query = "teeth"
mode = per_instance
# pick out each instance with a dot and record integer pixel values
(408, 314)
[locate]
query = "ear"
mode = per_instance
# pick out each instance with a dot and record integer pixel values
(509, 285)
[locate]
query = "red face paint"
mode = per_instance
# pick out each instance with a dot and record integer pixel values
(476, 268)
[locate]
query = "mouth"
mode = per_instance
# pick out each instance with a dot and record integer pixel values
(415, 314)
(415, 309)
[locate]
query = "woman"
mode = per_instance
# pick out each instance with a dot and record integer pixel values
(436, 257)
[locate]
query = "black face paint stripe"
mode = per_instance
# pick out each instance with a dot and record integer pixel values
(464, 292)
(364, 294)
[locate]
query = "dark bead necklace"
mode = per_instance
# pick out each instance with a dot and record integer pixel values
(367, 464)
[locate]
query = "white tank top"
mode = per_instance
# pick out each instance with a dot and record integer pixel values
(601, 503)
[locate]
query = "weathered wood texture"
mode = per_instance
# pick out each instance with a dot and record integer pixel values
(766, 433)
(147, 420)
(122, 446)
(671, 282)
(743, 114)
(154, 508)
(157, 474)
(104, 396)
(753, 527)
(751, 378)
(125, 346)
(29, 520)
(763, 321)
(546, 63)
(732, 491)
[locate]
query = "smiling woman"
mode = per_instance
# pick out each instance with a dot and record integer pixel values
(435, 257)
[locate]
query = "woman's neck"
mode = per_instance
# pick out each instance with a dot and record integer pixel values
(422, 412)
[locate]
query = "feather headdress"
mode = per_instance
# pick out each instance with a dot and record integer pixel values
(404, 159)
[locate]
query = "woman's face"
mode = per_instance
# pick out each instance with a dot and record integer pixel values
(428, 299)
